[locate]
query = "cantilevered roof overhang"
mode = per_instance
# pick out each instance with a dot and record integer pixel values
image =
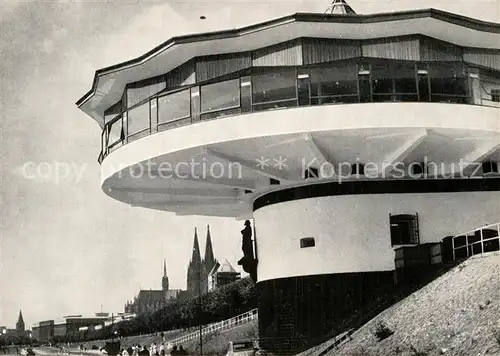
(110, 82)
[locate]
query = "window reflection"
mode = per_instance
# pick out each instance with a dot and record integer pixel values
(267, 89)
(394, 82)
(448, 82)
(220, 96)
(138, 119)
(116, 134)
(274, 90)
(173, 107)
(335, 84)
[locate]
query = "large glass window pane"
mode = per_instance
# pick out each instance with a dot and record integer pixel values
(394, 82)
(335, 84)
(116, 134)
(138, 119)
(173, 107)
(404, 78)
(220, 96)
(448, 82)
(278, 87)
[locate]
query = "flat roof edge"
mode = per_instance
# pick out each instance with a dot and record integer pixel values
(449, 17)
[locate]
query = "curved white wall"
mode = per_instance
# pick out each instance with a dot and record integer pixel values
(352, 233)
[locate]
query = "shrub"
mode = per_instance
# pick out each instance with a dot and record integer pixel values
(382, 331)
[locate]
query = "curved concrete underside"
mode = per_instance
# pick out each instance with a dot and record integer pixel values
(212, 167)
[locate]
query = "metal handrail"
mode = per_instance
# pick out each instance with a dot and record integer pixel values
(221, 325)
(481, 241)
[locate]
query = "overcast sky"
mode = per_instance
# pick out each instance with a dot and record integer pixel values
(65, 246)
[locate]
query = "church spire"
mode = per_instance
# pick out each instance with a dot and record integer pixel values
(340, 7)
(20, 322)
(196, 257)
(164, 280)
(209, 252)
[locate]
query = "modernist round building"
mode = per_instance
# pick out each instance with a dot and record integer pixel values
(343, 136)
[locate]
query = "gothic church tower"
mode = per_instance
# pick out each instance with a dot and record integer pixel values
(208, 262)
(164, 279)
(20, 327)
(194, 269)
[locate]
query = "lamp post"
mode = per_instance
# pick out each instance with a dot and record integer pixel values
(200, 311)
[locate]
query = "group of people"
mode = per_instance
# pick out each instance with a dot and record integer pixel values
(135, 350)
(179, 351)
(154, 350)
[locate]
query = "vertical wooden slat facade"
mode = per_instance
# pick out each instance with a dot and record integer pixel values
(182, 75)
(217, 66)
(283, 54)
(321, 50)
(307, 51)
(435, 50)
(482, 57)
(393, 48)
(139, 91)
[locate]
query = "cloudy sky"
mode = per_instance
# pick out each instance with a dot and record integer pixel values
(65, 246)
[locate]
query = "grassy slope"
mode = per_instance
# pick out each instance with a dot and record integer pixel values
(457, 314)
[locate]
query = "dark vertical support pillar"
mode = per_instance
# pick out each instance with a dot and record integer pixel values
(303, 87)
(364, 83)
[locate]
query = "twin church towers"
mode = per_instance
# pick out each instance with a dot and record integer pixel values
(199, 269)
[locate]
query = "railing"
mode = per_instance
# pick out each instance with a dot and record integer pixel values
(338, 340)
(490, 103)
(479, 241)
(222, 325)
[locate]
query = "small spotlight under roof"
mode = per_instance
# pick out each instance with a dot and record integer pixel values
(203, 17)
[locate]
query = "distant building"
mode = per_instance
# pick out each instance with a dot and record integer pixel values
(35, 332)
(222, 274)
(102, 315)
(198, 269)
(148, 301)
(43, 331)
(69, 325)
(20, 329)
